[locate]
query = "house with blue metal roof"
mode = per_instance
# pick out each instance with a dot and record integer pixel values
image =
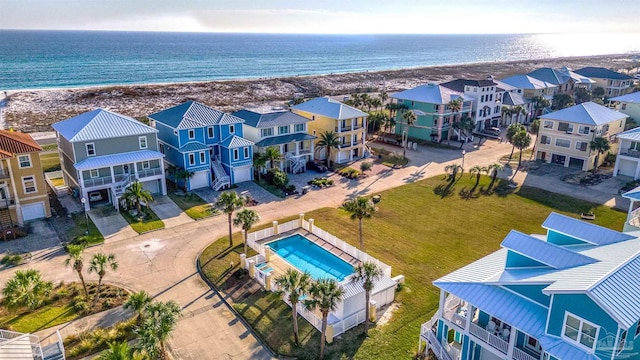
(102, 152)
(568, 294)
(613, 82)
(565, 135)
(566, 81)
(206, 142)
(283, 130)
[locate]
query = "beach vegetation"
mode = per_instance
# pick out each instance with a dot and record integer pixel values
(246, 219)
(99, 264)
(359, 208)
(328, 141)
(228, 202)
(368, 273)
(562, 101)
(324, 295)
(294, 285)
(271, 155)
(600, 145)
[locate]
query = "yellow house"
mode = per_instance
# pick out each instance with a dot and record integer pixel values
(349, 124)
(23, 191)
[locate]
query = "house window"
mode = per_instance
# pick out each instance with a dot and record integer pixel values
(25, 161)
(283, 129)
(563, 126)
(142, 140)
(94, 173)
(605, 128)
(236, 154)
(29, 184)
(482, 97)
(621, 341)
(299, 127)
(580, 331)
(202, 157)
(161, 148)
(563, 143)
(637, 330)
(581, 145)
(624, 106)
(145, 165)
(192, 159)
(210, 132)
(548, 124)
(246, 153)
(313, 117)
(232, 129)
(192, 134)
(267, 132)
(91, 149)
(584, 130)
(545, 140)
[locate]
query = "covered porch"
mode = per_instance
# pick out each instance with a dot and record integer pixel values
(296, 150)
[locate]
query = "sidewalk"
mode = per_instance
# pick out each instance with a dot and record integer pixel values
(100, 320)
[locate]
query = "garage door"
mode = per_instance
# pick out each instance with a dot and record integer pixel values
(627, 167)
(33, 211)
(241, 174)
(199, 180)
(151, 186)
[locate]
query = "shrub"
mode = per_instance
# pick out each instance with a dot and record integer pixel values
(350, 173)
(11, 260)
(278, 178)
(320, 182)
(79, 303)
(366, 166)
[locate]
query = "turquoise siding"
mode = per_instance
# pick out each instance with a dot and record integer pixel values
(173, 156)
(196, 155)
(416, 131)
(216, 135)
(533, 292)
(183, 136)
(165, 133)
(224, 131)
(515, 260)
(561, 239)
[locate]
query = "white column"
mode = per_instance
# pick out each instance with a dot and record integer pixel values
(443, 299)
(512, 342)
(135, 170)
(630, 210)
(113, 176)
(163, 185)
(637, 175)
(298, 147)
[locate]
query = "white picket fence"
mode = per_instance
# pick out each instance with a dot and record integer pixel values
(348, 323)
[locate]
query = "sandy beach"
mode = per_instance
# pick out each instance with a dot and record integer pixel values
(36, 110)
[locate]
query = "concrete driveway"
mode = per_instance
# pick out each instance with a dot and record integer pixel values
(111, 224)
(169, 212)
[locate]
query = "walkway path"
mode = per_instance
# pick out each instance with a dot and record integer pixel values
(169, 212)
(163, 262)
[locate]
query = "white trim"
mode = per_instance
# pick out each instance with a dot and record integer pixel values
(35, 185)
(191, 159)
(577, 341)
(93, 148)
(232, 128)
(189, 132)
(236, 154)
(91, 173)
(211, 134)
(20, 162)
(546, 326)
(146, 143)
(246, 152)
(146, 165)
(202, 157)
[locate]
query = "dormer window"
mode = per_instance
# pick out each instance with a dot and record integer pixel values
(299, 127)
(91, 149)
(192, 134)
(210, 132)
(232, 129)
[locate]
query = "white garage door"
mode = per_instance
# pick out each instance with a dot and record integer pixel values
(33, 211)
(199, 180)
(151, 186)
(241, 174)
(627, 167)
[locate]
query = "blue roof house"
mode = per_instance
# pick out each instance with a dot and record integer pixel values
(206, 142)
(569, 294)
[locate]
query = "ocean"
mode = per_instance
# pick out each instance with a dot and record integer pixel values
(54, 59)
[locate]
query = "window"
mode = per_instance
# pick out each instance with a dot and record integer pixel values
(192, 159)
(548, 124)
(267, 132)
(563, 126)
(621, 341)
(298, 127)
(637, 330)
(192, 134)
(283, 129)
(91, 149)
(580, 331)
(232, 129)
(29, 184)
(605, 128)
(145, 165)
(210, 132)
(142, 141)
(161, 148)
(236, 155)
(584, 130)
(313, 117)
(581, 145)
(246, 153)
(202, 157)
(491, 97)
(482, 97)
(93, 173)
(24, 160)
(563, 143)
(624, 106)
(545, 140)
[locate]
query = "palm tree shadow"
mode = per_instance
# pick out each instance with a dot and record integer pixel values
(445, 190)
(468, 194)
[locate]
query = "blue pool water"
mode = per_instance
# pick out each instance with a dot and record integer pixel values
(309, 257)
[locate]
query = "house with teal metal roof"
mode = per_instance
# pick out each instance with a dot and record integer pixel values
(569, 293)
(206, 142)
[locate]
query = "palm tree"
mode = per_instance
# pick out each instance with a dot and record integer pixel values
(137, 302)
(135, 193)
(455, 105)
(477, 171)
(99, 264)
(328, 140)
(160, 319)
(539, 104)
(521, 140)
(229, 201)
(511, 131)
(367, 273)
(465, 124)
(409, 117)
(453, 170)
(506, 111)
(295, 285)
(493, 169)
(271, 155)
(26, 288)
(324, 294)
(394, 108)
(184, 175)
(246, 218)
(359, 208)
(366, 101)
(600, 145)
(383, 96)
(118, 351)
(259, 162)
(375, 103)
(517, 111)
(534, 128)
(74, 259)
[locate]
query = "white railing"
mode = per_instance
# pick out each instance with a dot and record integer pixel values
(8, 335)
(348, 323)
(521, 355)
(451, 351)
(149, 172)
(288, 226)
(315, 321)
(489, 338)
(437, 348)
(97, 181)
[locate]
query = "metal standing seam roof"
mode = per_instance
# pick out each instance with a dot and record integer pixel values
(234, 141)
(193, 146)
(117, 159)
(459, 84)
(590, 233)
(284, 139)
(588, 113)
(522, 81)
(510, 98)
(192, 114)
(631, 134)
(330, 108)
(100, 124)
(271, 119)
(354, 288)
(431, 94)
(544, 252)
(635, 193)
(561, 349)
(549, 75)
(628, 98)
(602, 73)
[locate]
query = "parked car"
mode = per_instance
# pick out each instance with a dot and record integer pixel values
(637, 76)
(493, 131)
(95, 196)
(317, 166)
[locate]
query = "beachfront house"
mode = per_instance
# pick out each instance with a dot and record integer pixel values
(487, 100)
(434, 118)
(102, 152)
(205, 142)
(565, 295)
(628, 104)
(23, 191)
(613, 83)
(565, 135)
(512, 99)
(349, 124)
(283, 130)
(531, 88)
(565, 80)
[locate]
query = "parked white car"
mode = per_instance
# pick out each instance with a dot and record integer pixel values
(95, 196)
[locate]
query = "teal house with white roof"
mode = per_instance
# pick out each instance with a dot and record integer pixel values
(569, 294)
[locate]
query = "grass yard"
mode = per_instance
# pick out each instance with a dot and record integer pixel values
(423, 230)
(149, 223)
(390, 159)
(191, 203)
(50, 161)
(74, 231)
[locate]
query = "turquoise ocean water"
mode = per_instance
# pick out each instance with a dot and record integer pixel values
(51, 59)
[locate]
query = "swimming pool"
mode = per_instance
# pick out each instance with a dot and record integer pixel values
(306, 256)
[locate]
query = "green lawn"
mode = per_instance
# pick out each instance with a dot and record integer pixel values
(424, 230)
(75, 232)
(191, 204)
(41, 318)
(50, 161)
(149, 223)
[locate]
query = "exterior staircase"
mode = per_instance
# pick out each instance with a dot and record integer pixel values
(221, 178)
(463, 135)
(16, 346)
(297, 164)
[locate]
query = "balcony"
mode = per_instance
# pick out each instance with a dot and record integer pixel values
(442, 352)
(4, 174)
(104, 180)
(630, 152)
(149, 172)
(490, 337)
(339, 129)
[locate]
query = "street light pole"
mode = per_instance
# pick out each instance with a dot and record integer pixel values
(463, 153)
(86, 215)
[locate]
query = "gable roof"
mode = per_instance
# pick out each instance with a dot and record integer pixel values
(522, 81)
(234, 141)
(330, 108)
(192, 114)
(512, 99)
(100, 124)
(588, 113)
(631, 134)
(587, 232)
(628, 98)
(96, 162)
(459, 84)
(13, 142)
(602, 73)
(549, 75)
(270, 119)
(284, 139)
(430, 94)
(544, 252)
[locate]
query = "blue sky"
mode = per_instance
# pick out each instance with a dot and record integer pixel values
(328, 16)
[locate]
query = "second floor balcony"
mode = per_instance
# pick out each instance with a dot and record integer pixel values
(4, 173)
